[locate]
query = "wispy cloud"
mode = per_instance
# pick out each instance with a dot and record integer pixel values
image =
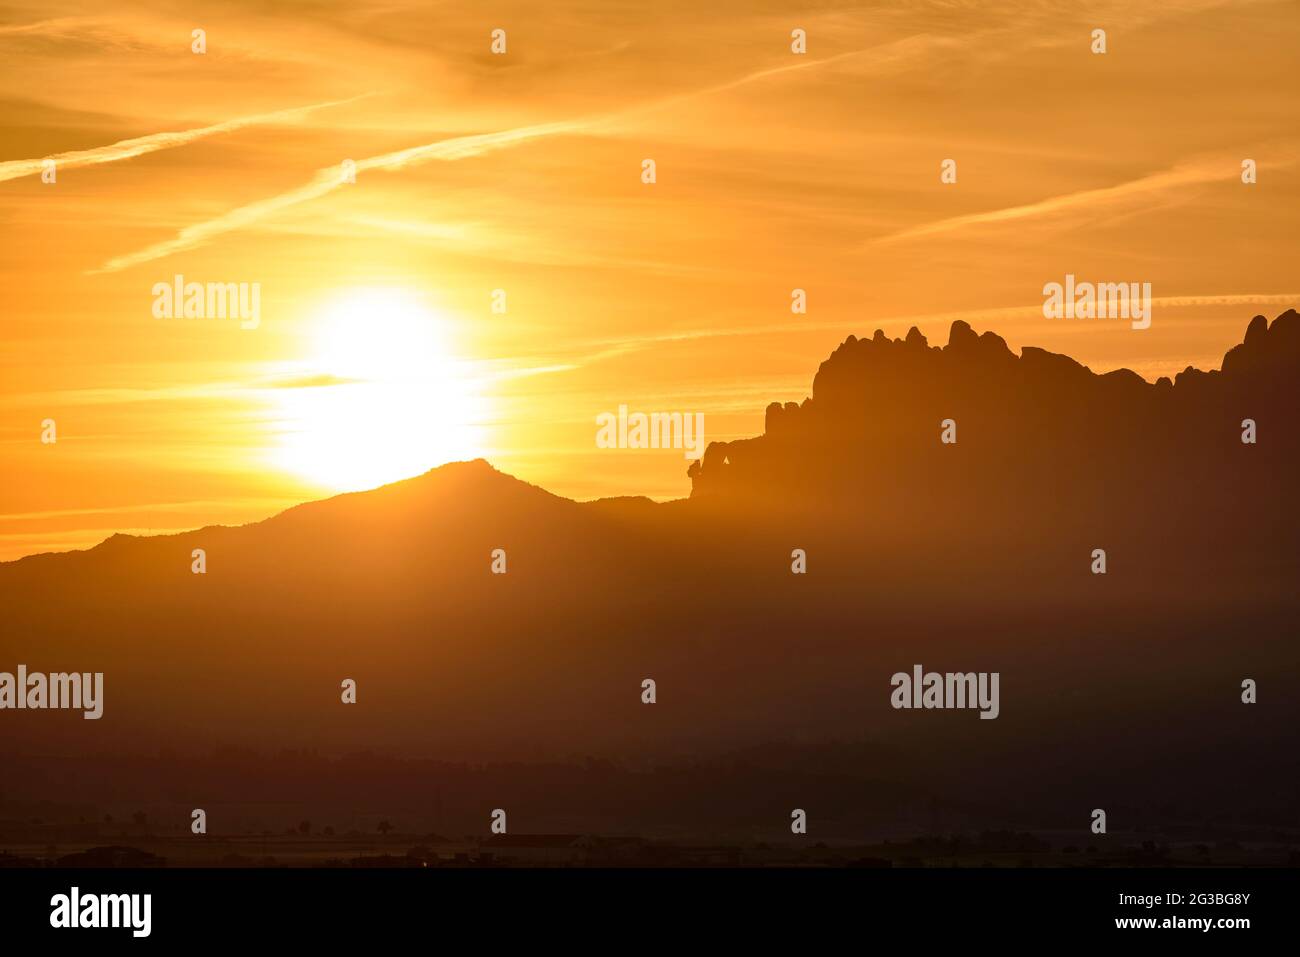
(56, 26)
(140, 145)
(329, 179)
(618, 346)
(455, 148)
(1186, 174)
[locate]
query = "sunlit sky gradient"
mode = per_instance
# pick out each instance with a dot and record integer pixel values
(522, 172)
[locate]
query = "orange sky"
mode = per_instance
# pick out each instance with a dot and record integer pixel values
(522, 172)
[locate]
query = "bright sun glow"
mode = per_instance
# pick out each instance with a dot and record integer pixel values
(383, 399)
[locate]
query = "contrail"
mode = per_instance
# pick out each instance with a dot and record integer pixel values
(331, 178)
(1184, 175)
(140, 145)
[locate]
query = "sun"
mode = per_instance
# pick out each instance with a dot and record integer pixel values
(379, 397)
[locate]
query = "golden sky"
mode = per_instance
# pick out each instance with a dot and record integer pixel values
(378, 353)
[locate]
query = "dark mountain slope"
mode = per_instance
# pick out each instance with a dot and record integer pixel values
(1121, 687)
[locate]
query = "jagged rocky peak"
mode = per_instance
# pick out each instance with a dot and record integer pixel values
(880, 394)
(1268, 348)
(961, 336)
(778, 416)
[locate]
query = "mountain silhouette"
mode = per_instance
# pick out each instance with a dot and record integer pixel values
(1118, 690)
